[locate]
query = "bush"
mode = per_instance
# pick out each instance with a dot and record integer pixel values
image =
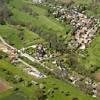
(21, 35)
(3, 55)
(75, 98)
(5, 12)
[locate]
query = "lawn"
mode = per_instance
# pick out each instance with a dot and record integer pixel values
(42, 21)
(51, 82)
(10, 34)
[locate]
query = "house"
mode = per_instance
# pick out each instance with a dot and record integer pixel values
(40, 51)
(37, 1)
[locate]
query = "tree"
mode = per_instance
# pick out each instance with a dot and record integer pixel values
(75, 98)
(53, 40)
(39, 94)
(5, 13)
(2, 2)
(21, 35)
(73, 60)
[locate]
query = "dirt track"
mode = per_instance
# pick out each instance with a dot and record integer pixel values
(2, 46)
(3, 86)
(97, 76)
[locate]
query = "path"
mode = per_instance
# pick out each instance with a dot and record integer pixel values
(34, 71)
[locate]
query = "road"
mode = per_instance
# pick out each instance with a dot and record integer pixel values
(34, 71)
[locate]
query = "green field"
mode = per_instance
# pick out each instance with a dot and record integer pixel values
(49, 83)
(93, 53)
(10, 33)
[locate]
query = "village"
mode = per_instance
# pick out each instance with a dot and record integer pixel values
(84, 29)
(43, 61)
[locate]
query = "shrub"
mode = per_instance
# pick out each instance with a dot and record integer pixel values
(3, 55)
